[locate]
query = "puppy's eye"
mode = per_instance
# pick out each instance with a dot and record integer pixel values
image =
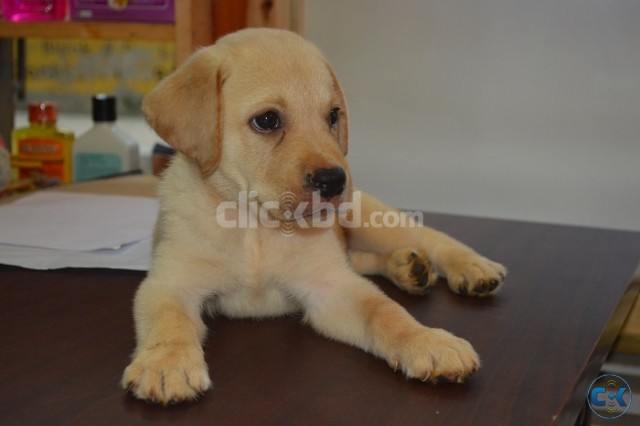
(266, 122)
(334, 115)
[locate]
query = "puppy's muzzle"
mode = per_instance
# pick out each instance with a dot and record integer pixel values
(329, 182)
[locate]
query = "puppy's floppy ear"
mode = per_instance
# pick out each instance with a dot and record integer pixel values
(184, 109)
(343, 122)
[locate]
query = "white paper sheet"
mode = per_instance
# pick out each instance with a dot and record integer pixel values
(52, 229)
(79, 222)
(136, 257)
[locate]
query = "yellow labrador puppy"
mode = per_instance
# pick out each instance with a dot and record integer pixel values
(253, 222)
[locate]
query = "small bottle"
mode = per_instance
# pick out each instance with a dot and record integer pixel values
(42, 152)
(34, 10)
(105, 149)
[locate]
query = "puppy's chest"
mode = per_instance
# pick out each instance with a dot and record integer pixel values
(262, 258)
(256, 282)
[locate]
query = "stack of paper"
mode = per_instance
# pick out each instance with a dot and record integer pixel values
(53, 229)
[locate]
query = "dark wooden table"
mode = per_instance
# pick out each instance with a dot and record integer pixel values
(66, 335)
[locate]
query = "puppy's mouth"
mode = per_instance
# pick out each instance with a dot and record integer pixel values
(291, 208)
(320, 212)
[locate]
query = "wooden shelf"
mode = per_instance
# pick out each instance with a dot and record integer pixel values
(97, 30)
(197, 23)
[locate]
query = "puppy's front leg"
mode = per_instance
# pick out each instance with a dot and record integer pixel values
(351, 309)
(168, 364)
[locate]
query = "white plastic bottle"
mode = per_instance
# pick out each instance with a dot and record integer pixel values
(105, 149)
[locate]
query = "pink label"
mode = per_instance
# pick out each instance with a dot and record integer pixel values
(123, 10)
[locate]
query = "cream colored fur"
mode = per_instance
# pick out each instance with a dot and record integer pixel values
(204, 110)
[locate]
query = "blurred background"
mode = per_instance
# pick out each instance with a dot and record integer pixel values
(514, 109)
(503, 108)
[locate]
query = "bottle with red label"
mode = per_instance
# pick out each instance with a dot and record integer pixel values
(41, 151)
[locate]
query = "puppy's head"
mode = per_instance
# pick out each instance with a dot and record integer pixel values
(261, 110)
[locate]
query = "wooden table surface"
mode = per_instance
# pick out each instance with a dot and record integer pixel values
(66, 335)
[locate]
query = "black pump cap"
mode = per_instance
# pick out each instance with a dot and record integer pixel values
(103, 107)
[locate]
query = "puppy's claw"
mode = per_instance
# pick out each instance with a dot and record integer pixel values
(493, 284)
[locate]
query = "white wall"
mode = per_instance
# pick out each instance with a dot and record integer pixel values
(525, 109)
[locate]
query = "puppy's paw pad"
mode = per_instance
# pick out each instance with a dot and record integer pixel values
(410, 271)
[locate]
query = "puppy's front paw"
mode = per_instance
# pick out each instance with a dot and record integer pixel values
(436, 355)
(410, 271)
(469, 274)
(167, 374)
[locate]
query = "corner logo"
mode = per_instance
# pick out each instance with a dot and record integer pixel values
(609, 396)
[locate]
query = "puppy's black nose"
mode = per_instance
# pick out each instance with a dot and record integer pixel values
(330, 182)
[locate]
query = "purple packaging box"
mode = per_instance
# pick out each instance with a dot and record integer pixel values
(122, 10)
